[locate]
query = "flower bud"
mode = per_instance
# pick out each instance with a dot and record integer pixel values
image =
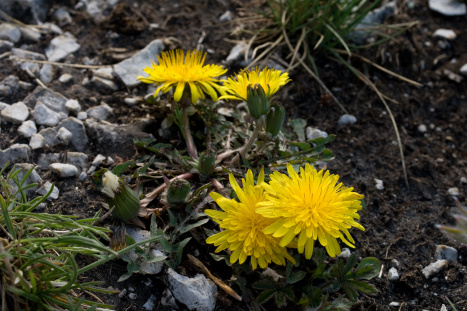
(257, 101)
(275, 119)
(120, 195)
(118, 238)
(177, 192)
(206, 163)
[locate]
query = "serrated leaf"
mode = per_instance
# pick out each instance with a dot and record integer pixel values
(120, 168)
(370, 261)
(363, 287)
(192, 226)
(296, 276)
(125, 276)
(280, 299)
(350, 292)
(303, 146)
(168, 248)
(264, 284)
(266, 295)
(349, 265)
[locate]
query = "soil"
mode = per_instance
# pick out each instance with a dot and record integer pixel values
(399, 220)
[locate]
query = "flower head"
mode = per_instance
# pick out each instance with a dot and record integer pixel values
(312, 206)
(271, 80)
(243, 228)
(176, 70)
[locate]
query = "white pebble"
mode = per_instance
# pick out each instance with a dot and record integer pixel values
(393, 275)
(64, 170)
(27, 129)
(37, 141)
(395, 304)
(422, 128)
(434, 267)
(346, 119)
(445, 34)
(73, 105)
(65, 78)
(454, 191)
(379, 184)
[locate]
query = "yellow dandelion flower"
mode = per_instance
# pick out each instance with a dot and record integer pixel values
(176, 70)
(312, 206)
(271, 80)
(243, 228)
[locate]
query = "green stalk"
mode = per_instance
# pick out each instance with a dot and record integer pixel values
(190, 144)
(254, 136)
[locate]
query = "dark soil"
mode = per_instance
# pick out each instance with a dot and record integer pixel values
(399, 220)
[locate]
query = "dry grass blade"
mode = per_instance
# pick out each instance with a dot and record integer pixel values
(221, 284)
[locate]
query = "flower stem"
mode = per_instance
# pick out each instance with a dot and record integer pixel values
(250, 142)
(190, 144)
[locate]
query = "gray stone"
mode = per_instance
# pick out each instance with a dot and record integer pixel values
(73, 105)
(9, 32)
(60, 47)
(5, 46)
(446, 252)
(37, 141)
(27, 129)
(29, 33)
(65, 78)
(445, 34)
(393, 275)
(83, 176)
(422, 128)
(117, 139)
(168, 299)
(47, 73)
(25, 54)
(448, 7)
(196, 293)
(76, 127)
(98, 82)
(62, 16)
(150, 303)
(64, 136)
(16, 113)
(146, 267)
(313, 132)
(64, 170)
(9, 86)
(454, 191)
(237, 54)
(463, 70)
(101, 112)
(376, 17)
(82, 115)
(130, 68)
(98, 8)
(15, 154)
(434, 268)
(395, 264)
(131, 101)
(78, 159)
(132, 296)
(52, 100)
(28, 11)
(45, 116)
(50, 136)
(52, 28)
(98, 160)
(45, 159)
(226, 17)
(33, 178)
(45, 188)
(347, 119)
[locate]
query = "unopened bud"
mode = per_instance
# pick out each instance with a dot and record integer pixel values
(275, 119)
(206, 163)
(177, 192)
(120, 195)
(257, 101)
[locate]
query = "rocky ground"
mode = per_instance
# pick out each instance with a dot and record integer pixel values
(70, 104)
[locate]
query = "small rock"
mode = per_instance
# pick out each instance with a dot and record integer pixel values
(76, 127)
(422, 128)
(443, 307)
(196, 293)
(63, 17)
(37, 141)
(64, 170)
(99, 82)
(226, 17)
(16, 113)
(446, 252)
(379, 184)
(313, 132)
(345, 253)
(27, 129)
(122, 293)
(98, 8)
(346, 119)
(45, 116)
(98, 160)
(454, 191)
(131, 101)
(52, 28)
(52, 100)
(25, 54)
(78, 159)
(65, 78)
(5, 46)
(9, 85)
(237, 54)
(15, 154)
(445, 34)
(149, 268)
(29, 11)
(47, 73)
(361, 34)
(64, 136)
(270, 273)
(395, 304)
(45, 188)
(33, 178)
(130, 68)
(50, 136)
(464, 180)
(101, 112)
(30, 34)
(395, 264)
(132, 296)
(82, 115)
(73, 105)
(149, 305)
(448, 7)
(393, 275)
(83, 176)
(168, 299)
(463, 70)
(434, 267)
(60, 47)
(10, 32)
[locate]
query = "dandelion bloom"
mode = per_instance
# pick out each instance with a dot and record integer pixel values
(271, 80)
(243, 228)
(312, 206)
(176, 70)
